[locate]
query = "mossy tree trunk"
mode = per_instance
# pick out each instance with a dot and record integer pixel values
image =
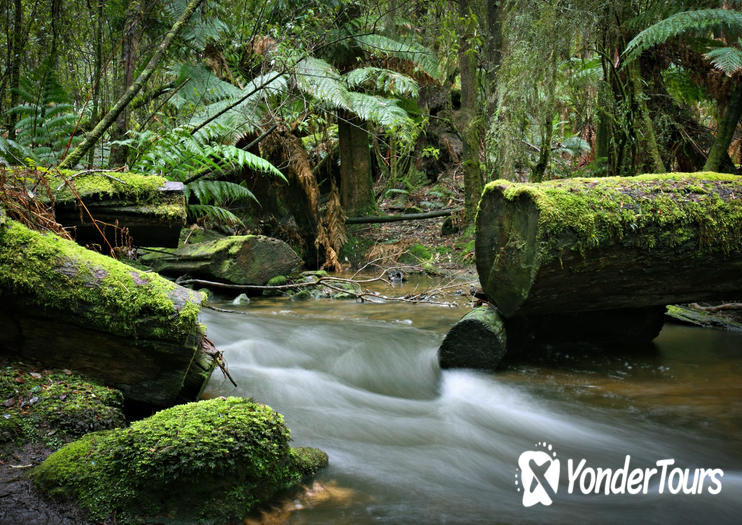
(609, 243)
(97, 132)
(728, 125)
(68, 307)
(356, 182)
(471, 117)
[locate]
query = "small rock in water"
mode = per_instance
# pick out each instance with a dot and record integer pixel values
(241, 299)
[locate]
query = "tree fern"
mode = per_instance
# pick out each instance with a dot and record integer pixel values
(46, 121)
(413, 52)
(382, 81)
(679, 23)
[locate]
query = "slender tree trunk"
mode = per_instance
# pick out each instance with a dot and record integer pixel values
(15, 64)
(97, 70)
(79, 152)
(493, 30)
(356, 183)
(127, 63)
(719, 150)
(56, 14)
(473, 184)
(644, 124)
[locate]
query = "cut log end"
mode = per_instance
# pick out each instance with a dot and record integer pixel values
(476, 341)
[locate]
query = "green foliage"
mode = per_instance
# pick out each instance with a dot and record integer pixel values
(726, 59)
(680, 23)
(382, 80)
(46, 121)
(219, 458)
(404, 49)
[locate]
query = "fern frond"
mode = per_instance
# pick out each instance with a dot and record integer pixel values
(218, 192)
(382, 80)
(406, 50)
(320, 80)
(698, 20)
(379, 110)
(215, 213)
(241, 158)
(726, 59)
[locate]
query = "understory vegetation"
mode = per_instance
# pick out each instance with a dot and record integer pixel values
(284, 118)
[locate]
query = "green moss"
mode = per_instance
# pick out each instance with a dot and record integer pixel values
(416, 254)
(59, 275)
(278, 280)
(53, 408)
(355, 248)
(668, 210)
(133, 188)
(219, 458)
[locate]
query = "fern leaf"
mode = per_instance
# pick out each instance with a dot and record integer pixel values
(218, 192)
(679, 23)
(383, 80)
(320, 80)
(405, 50)
(726, 59)
(216, 213)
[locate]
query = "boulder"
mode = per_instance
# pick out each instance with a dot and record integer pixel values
(215, 459)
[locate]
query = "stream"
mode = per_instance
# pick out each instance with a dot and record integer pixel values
(409, 443)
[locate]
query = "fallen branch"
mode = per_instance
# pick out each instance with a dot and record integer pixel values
(326, 281)
(403, 217)
(208, 347)
(717, 308)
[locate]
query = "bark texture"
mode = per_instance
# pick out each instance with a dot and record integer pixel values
(611, 243)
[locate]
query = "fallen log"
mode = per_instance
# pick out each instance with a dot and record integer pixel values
(150, 207)
(484, 339)
(64, 306)
(610, 243)
(403, 217)
(239, 259)
(477, 340)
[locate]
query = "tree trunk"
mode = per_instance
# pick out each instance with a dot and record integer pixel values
(609, 243)
(240, 259)
(97, 70)
(15, 63)
(356, 182)
(68, 307)
(477, 340)
(91, 138)
(719, 150)
(470, 118)
(127, 62)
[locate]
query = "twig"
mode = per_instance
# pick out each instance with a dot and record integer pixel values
(105, 173)
(717, 308)
(207, 345)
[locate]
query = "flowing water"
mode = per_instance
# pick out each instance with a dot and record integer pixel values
(409, 443)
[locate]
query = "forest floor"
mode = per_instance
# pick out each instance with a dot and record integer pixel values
(437, 246)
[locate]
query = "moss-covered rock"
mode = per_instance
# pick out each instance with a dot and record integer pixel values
(238, 259)
(53, 407)
(219, 458)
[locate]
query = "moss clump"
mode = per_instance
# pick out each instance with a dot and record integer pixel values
(133, 188)
(219, 458)
(416, 254)
(278, 280)
(58, 275)
(53, 408)
(657, 210)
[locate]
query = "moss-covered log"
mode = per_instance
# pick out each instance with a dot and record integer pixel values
(150, 207)
(611, 243)
(477, 340)
(239, 259)
(67, 307)
(214, 460)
